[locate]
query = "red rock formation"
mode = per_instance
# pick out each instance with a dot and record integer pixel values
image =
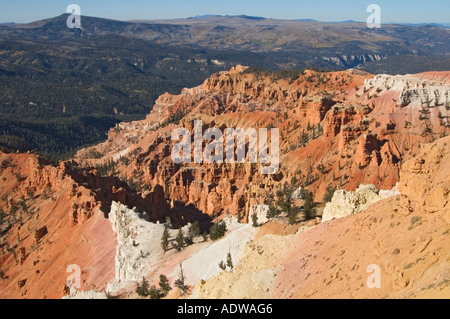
(337, 129)
(404, 242)
(58, 223)
(55, 217)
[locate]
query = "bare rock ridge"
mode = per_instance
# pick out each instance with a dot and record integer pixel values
(138, 243)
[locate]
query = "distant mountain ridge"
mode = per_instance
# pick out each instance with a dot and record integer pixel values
(325, 41)
(419, 25)
(255, 18)
(242, 16)
(410, 24)
(8, 24)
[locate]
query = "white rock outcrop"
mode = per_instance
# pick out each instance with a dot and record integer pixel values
(78, 294)
(346, 203)
(261, 213)
(138, 243)
(414, 91)
(402, 82)
(430, 96)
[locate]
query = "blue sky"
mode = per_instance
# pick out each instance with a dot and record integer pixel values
(414, 11)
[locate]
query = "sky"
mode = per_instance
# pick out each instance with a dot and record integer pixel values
(400, 11)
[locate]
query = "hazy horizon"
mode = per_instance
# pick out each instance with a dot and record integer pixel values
(219, 15)
(414, 12)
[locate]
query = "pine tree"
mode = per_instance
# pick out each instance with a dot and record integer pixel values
(230, 261)
(310, 207)
(164, 285)
(255, 220)
(180, 283)
(194, 230)
(329, 194)
(179, 241)
(273, 212)
(189, 240)
(308, 180)
(222, 265)
(155, 293)
(285, 199)
(293, 216)
(294, 181)
(218, 230)
(165, 240)
(142, 290)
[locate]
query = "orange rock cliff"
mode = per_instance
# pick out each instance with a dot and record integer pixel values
(337, 129)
